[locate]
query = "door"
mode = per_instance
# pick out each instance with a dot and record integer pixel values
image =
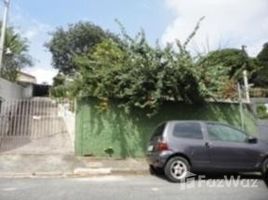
(228, 148)
(187, 138)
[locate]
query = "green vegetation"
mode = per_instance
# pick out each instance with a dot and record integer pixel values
(261, 77)
(142, 75)
(235, 60)
(15, 56)
(93, 62)
(262, 111)
(77, 39)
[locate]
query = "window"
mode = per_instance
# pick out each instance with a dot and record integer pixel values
(188, 130)
(159, 131)
(219, 132)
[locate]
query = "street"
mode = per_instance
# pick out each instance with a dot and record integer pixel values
(126, 187)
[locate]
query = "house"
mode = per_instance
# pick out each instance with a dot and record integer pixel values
(26, 86)
(26, 78)
(31, 87)
(9, 90)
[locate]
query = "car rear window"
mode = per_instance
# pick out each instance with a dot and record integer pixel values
(159, 131)
(188, 130)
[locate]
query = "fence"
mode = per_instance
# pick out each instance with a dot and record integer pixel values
(259, 93)
(23, 121)
(128, 133)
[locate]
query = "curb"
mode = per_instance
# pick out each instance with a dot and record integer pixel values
(78, 172)
(130, 171)
(35, 175)
(92, 171)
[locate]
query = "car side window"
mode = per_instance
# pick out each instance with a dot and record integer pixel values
(219, 132)
(188, 130)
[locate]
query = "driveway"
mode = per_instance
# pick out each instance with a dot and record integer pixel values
(127, 187)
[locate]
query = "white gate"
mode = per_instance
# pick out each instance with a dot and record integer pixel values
(33, 126)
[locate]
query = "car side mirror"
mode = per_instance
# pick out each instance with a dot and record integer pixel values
(252, 140)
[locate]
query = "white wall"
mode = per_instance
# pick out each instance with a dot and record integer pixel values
(27, 91)
(9, 90)
(68, 118)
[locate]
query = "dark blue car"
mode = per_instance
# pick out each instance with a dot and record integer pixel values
(180, 147)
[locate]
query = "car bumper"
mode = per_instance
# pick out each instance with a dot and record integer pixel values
(158, 159)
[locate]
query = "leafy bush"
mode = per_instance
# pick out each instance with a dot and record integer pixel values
(262, 112)
(144, 76)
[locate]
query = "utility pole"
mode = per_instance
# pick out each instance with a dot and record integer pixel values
(240, 99)
(246, 85)
(3, 31)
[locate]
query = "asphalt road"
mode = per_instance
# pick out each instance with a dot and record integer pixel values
(127, 187)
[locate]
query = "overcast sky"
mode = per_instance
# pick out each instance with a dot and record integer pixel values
(228, 23)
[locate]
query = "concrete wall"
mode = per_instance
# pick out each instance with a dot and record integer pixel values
(68, 118)
(128, 133)
(9, 90)
(262, 124)
(27, 91)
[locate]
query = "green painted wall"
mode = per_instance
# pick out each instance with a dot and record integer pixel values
(128, 134)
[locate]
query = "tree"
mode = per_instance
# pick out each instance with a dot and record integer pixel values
(77, 40)
(235, 61)
(261, 76)
(59, 88)
(15, 55)
(144, 77)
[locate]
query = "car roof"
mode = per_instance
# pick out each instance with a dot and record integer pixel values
(206, 122)
(196, 121)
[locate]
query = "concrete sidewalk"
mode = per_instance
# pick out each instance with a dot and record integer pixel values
(54, 165)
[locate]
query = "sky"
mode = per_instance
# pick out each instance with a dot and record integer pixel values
(227, 23)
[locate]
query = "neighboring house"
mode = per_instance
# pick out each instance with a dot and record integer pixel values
(9, 93)
(26, 78)
(31, 88)
(9, 90)
(27, 81)
(17, 104)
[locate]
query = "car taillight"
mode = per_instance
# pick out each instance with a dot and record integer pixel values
(161, 146)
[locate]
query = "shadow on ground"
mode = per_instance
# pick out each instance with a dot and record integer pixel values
(219, 177)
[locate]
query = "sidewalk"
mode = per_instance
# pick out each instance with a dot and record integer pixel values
(67, 166)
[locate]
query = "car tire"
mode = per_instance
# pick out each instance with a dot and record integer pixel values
(177, 169)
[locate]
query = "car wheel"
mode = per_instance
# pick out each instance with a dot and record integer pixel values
(176, 169)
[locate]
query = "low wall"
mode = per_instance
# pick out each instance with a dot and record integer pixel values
(69, 120)
(128, 134)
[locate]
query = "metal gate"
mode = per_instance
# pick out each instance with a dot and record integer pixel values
(33, 126)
